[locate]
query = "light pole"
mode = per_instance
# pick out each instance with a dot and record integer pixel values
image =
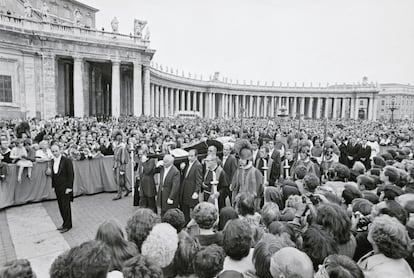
(392, 108)
(241, 121)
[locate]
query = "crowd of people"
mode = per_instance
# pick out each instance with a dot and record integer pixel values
(279, 198)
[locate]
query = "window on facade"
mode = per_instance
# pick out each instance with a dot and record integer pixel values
(361, 102)
(5, 88)
(382, 102)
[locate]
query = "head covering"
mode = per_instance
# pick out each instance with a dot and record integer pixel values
(244, 150)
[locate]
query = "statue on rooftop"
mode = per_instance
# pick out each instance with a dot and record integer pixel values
(45, 11)
(77, 17)
(115, 25)
(28, 10)
(139, 26)
(147, 34)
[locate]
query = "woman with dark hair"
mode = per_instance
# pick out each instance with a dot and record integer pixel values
(208, 261)
(237, 241)
(264, 249)
(226, 214)
(120, 249)
(334, 219)
(339, 266)
(140, 266)
(245, 203)
(391, 245)
(318, 244)
(187, 248)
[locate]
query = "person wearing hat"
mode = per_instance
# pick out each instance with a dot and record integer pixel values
(247, 178)
(121, 159)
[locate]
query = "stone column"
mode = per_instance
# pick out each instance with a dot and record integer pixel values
(250, 103)
(356, 115)
(343, 108)
(277, 105)
(352, 108)
(370, 106)
(244, 105)
(116, 89)
(295, 107)
(182, 100)
(223, 105)
(188, 101)
(78, 101)
(214, 112)
(157, 101)
(147, 94)
(310, 108)
(201, 102)
(287, 105)
(162, 102)
(151, 100)
(171, 102)
(335, 108)
(302, 107)
(137, 89)
(257, 108)
(194, 94)
(318, 108)
(374, 107)
(326, 108)
(265, 108)
(176, 103)
(235, 106)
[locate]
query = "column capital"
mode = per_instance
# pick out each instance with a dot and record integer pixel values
(116, 62)
(78, 58)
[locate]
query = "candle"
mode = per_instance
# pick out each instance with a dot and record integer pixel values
(214, 177)
(264, 163)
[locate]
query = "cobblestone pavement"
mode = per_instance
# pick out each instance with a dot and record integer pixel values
(88, 212)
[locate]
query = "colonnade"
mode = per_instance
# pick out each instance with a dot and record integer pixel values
(166, 102)
(141, 88)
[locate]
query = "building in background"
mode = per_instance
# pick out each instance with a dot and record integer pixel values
(53, 61)
(396, 101)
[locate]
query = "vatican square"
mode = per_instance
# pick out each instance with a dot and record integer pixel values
(203, 139)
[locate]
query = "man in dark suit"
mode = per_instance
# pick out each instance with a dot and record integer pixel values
(145, 174)
(353, 151)
(62, 182)
(169, 187)
(191, 184)
(229, 164)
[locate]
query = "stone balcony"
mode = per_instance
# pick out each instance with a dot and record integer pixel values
(69, 32)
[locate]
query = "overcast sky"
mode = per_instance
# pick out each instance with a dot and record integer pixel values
(276, 40)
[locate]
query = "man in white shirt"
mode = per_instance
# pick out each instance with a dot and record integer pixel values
(191, 184)
(62, 182)
(169, 188)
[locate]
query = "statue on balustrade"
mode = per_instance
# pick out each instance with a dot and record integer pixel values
(115, 25)
(28, 10)
(139, 26)
(78, 17)
(147, 34)
(45, 11)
